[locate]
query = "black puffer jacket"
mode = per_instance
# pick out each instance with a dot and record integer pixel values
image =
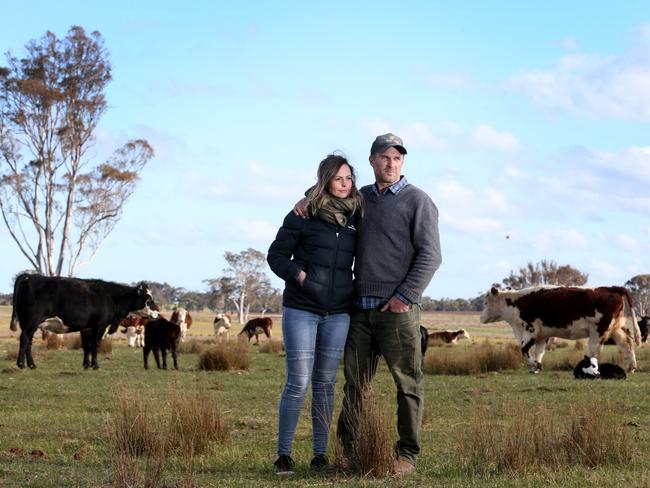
(325, 252)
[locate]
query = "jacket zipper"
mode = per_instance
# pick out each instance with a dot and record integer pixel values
(332, 272)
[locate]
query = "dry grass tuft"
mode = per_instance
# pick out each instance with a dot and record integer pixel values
(11, 370)
(73, 341)
(527, 440)
(568, 359)
(225, 356)
(54, 341)
(145, 434)
(134, 427)
(192, 346)
(272, 346)
(372, 452)
(196, 421)
(105, 346)
(12, 353)
(481, 358)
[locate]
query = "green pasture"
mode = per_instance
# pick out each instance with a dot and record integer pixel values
(62, 410)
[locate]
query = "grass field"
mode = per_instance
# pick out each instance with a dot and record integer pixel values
(60, 412)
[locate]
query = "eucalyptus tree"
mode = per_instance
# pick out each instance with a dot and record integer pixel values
(57, 201)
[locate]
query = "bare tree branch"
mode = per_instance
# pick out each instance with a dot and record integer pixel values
(51, 101)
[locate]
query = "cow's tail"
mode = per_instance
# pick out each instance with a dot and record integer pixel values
(13, 325)
(634, 331)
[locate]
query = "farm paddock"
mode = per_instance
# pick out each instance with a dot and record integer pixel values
(53, 427)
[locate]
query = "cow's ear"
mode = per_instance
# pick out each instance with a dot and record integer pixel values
(494, 290)
(142, 289)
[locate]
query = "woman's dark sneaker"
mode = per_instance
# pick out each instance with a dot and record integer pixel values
(284, 465)
(319, 462)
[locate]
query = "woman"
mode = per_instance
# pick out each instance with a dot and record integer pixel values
(314, 258)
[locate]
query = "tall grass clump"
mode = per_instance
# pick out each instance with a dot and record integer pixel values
(196, 421)
(145, 433)
(12, 352)
(527, 439)
(272, 346)
(225, 356)
(135, 427)
(480, 358)
(53, 341)
(372, 451)
(73, 341)
(192, 346)
(567, 360)
(105, 346)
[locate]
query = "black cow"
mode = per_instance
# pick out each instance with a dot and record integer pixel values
(161, 335)
(72, 304)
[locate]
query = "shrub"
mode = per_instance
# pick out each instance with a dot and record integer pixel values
(53, 341)
(144, 434)
(12, 353)
(567, 360)
(482, 358)
(133, 427)
(272, 346)
(73, 341)
(193, 346)
(195, 422)
(530, 439)
(105, 346)
(225, 356)
(372, 451)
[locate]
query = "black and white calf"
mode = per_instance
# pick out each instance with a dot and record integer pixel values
(588, 368)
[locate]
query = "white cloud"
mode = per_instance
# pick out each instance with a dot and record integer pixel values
(258, 232)
(456, 81)
(554, 240)
(627, 242)
(599, 86)
(604, 268)
(633, 162)
(253, 183)
(570, 43)
(449, 136)
(469, 210)
(488, 137)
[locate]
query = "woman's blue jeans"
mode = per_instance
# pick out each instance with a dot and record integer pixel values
(314, 346)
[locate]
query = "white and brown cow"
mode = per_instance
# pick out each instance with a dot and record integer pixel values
(538, 313)
(446, 336)
(133, 327)
(221, 326)
(183, 319)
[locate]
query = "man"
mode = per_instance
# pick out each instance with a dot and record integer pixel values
(398, 251)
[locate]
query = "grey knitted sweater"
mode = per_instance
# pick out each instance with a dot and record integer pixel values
(398, 246)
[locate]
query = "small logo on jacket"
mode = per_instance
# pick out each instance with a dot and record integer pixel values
(352, 227)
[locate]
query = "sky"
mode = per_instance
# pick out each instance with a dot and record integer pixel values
(528, 125)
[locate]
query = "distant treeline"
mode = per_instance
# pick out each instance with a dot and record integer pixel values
(193, 300)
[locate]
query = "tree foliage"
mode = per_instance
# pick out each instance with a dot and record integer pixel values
(244, 282)
(56, 202)
(545, 273)
(639, 286)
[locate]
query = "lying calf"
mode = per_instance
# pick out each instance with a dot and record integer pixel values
(588, 368)
(161, 335)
